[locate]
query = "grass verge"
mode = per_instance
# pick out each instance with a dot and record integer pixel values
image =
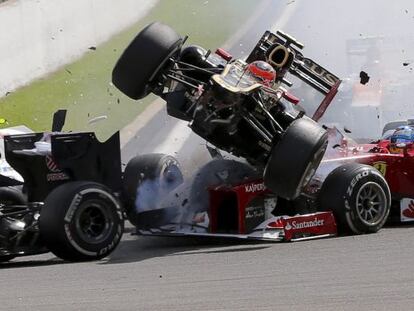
(83, 87)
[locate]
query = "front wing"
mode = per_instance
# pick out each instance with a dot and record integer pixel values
(275, 229)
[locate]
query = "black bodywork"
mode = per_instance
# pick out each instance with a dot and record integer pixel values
(246, 124)
(74, 157)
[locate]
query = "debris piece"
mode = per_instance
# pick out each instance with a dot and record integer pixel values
(405, 64)
(347, 130)
(364, 77)
(185, 201)
(92, 48)
(68, 71)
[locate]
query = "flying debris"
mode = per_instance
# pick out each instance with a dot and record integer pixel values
(364, 77)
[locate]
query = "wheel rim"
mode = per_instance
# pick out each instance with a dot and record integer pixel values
(170, 177)
(94, 222)
(371, 203)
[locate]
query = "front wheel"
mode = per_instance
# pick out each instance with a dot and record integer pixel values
(147, 179)
(295, 158)
(359, 197)
(81, 221)
(136, 72)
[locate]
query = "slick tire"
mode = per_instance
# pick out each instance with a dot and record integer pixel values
(147, 178)
(295, 158)
(359, 197)
(81, 221)
(136, 72)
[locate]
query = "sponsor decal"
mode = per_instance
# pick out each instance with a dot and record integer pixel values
(57, 177)
(407, 210)
(304, 224)
(355, 180)
(254, 212)
(381, 166)
(56, 174)
(254, 187)
(319, 71)
(51, 165)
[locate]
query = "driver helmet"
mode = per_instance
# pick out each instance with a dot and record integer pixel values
(262, 72)
(402, 136)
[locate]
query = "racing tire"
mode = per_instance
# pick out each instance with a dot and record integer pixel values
(147, 179)
(81, 221)
(294, 159)
(136, 72)
(359, 197)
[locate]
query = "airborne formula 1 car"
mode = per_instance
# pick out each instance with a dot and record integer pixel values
(240, 106)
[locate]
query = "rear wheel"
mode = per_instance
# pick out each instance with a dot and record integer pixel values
(295, 158)
(147, 179)
(81, 221)
(136, 72)
(359, 197)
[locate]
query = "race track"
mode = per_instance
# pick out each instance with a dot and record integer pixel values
(347, 273)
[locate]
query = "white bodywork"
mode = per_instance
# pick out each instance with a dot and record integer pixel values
(5, 168)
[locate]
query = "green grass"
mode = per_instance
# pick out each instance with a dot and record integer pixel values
(83, 87)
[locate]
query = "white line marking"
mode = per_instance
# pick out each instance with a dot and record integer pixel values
(129, 131)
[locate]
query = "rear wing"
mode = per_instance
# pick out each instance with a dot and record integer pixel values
(283, 53)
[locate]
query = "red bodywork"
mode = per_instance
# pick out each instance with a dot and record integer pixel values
(245, 205)
(397, 168)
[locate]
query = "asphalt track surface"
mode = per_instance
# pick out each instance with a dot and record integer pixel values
(347, 273)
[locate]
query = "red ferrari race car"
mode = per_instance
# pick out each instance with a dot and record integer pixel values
(243, 107)
(392, 156)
